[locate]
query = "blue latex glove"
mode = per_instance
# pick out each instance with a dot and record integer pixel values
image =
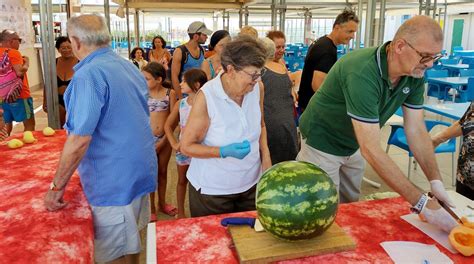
(236, 150)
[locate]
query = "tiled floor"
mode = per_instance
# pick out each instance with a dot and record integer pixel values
(399, 156)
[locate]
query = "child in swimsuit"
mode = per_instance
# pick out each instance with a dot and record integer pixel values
(193, 80)
(160, 101)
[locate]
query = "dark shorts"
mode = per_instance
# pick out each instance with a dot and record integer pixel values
(464, 190)
(18, 111)
(203, 204)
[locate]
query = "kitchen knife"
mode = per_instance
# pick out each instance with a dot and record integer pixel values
(250, 221)
(447, 208)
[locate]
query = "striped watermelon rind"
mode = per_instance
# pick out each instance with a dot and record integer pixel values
(296, 200)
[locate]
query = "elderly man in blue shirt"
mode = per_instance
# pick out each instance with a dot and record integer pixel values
(109, 140)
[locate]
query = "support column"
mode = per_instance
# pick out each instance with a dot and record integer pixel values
(246, 16)
(225, 19)
(359, 30)
(381, 22)
(241, 17)
(369, 24)
(274, 15)
(129, 40)
(49, 62)
(136, 22)
(107, 13)
(307, 26)
(282, 15)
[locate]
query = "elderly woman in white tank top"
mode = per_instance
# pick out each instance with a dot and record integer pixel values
(226, 134)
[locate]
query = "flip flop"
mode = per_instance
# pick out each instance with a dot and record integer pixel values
(170, 210)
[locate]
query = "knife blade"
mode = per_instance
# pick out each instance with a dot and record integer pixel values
(447, 208)
(250, 221)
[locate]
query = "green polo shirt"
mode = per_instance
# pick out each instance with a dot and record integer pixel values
(356, 87)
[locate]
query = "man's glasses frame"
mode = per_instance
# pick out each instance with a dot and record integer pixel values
(424, 58)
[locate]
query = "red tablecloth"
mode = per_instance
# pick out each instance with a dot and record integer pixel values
(28, 232)
(203, 239)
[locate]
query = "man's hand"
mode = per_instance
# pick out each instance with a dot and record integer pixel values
(439, 217)
(438, 190)
(54, 200)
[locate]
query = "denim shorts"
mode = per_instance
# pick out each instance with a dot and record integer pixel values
(117, 228)
(182, 159)
(19, 111)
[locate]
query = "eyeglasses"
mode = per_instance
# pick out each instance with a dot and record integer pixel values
(19, 39)
(424, 58)
(256, 75)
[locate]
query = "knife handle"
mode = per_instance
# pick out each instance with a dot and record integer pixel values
(238, 221)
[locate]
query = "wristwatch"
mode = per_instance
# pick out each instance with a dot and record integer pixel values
(53, 187)
(418, 207)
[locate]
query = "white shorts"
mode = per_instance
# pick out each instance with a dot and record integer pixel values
(116, 228)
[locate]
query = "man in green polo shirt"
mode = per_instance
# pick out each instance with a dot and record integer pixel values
(341, 124)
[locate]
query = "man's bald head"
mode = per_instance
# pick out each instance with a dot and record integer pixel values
(420, 27)
(90, 30)
(7, 35)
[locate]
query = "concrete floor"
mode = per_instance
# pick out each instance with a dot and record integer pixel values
(399, 156)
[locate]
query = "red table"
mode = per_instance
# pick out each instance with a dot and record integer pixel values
(28, 232)
(203, 239)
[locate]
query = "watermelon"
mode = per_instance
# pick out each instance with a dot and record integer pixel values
(296, 200)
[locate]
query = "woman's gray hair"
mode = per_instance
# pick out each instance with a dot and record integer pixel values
(242, 52)
(91, 30)
(269, 48)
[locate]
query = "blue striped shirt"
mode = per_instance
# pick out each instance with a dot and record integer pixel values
(107, 99)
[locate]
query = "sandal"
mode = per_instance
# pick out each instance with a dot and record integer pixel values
(170, 210)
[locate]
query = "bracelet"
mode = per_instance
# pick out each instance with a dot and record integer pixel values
(420, 205)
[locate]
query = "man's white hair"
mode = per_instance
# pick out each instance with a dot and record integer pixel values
(91, 30)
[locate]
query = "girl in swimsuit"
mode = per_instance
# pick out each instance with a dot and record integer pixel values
(161, 99)
(193, 80)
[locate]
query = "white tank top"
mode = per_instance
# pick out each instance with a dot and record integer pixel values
(229, 123)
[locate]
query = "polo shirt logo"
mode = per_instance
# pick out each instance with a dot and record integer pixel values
(406, 90)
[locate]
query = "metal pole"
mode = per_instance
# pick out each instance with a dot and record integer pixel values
(107, 13)
(274, 14)
(307, 26)
(435, 6)
(445, 15)
(282, 15)
(246, 16)
(369, 20)
(49, 65)
(382, 21)
(136, 22)
(241, 20)
(68, 9)
(129, 40)
(359, 31)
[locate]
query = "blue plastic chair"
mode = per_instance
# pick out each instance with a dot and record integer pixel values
(398, 138)
(466, 73)
(463, 96)
(449, 61)
(439, 91)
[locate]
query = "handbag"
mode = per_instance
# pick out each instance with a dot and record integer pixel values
(10, 83)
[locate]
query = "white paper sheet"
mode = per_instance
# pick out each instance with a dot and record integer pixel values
(405, 252)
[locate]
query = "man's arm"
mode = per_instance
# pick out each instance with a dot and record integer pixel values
(368, 136)
(175, 71)
(318, 79)
(73, 152)
(21, 69)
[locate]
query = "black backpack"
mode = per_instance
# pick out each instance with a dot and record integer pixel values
(184, 57)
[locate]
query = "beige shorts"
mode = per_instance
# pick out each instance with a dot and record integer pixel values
(117, 228)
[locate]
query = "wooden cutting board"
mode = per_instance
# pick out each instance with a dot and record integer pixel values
(261, 247)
